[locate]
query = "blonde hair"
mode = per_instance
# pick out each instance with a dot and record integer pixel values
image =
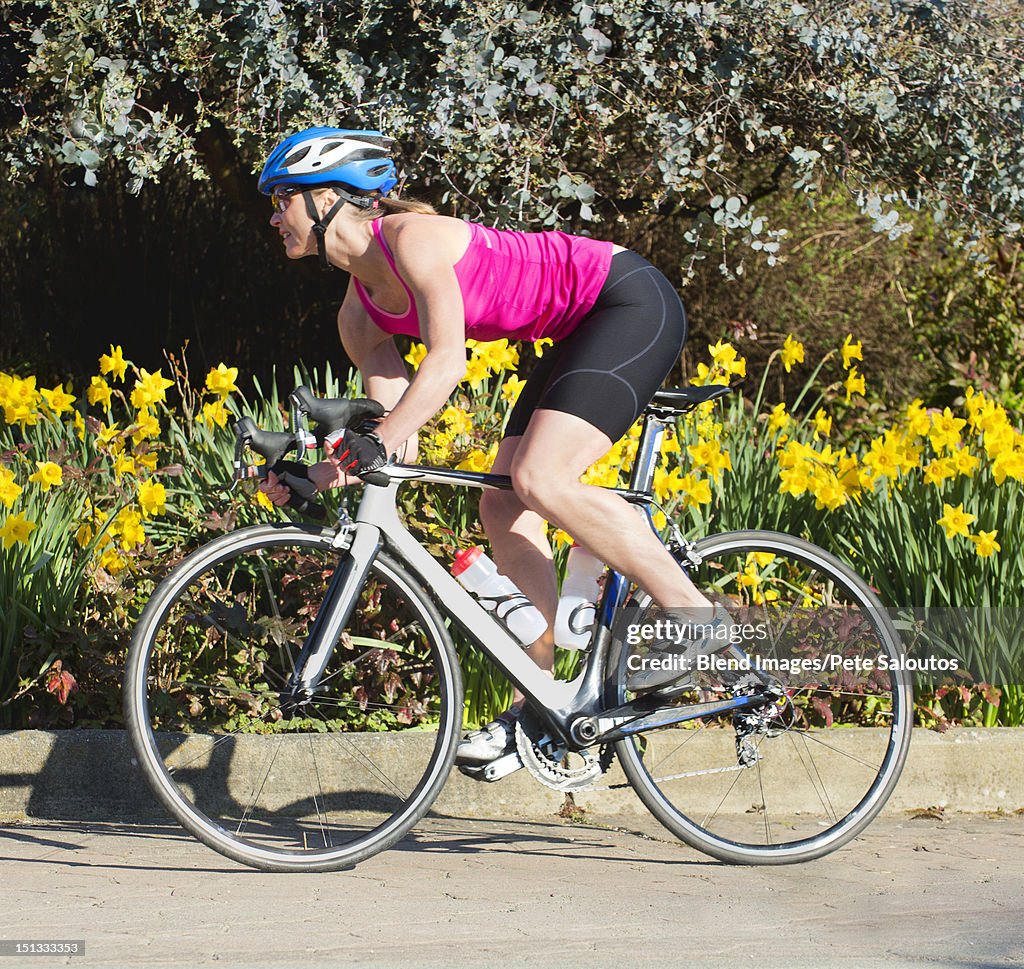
(387, 206)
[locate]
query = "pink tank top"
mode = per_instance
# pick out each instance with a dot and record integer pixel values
(515, 285)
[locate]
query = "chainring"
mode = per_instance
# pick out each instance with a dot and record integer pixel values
(547, 760)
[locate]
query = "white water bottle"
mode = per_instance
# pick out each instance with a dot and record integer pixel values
(498, 594)
(577, 607)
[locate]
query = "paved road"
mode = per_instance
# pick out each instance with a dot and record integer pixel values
(474, 893)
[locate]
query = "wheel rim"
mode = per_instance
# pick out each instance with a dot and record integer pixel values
(828, 757)
(264, 779)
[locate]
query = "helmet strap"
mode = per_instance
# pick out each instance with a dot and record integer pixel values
(320, 223)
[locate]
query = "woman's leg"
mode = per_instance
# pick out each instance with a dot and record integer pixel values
(518, 538)
(552, 456)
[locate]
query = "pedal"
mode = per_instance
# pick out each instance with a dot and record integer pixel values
(495, 770)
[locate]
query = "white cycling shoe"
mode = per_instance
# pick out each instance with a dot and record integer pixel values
(490, 742)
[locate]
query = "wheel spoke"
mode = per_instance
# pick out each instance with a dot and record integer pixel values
(277, 783)
(732, 786)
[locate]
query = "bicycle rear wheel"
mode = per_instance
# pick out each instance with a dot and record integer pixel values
(270, 783)
(799, 779)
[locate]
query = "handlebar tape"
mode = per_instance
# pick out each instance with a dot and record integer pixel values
(293, 474)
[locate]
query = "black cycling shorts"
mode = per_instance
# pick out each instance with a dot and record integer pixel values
(608, 369)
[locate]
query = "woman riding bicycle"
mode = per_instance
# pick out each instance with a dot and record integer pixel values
(617, 325)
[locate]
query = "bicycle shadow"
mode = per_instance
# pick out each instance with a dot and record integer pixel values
(90, 785)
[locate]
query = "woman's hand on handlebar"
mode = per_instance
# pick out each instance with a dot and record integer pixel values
(324, 475)
(275, 489)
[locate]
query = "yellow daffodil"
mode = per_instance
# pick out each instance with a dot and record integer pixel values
(478, 461)
(9, 488)
(511, 389)
(150, 389)
(822, 424)
(955, 520)
(670, 445)
(130, 529)
(918, 421)
(559, 537)
(696, 491)
(415, 355)
(1008, 464)
(792, 352)
(57, 400)
(854, 384)
(47, 475)
(827, 490)
(709, 429)
(124, 465)
(98, 392)
(795, 453)
(938, 471)
(112, 562)
(214, 414)
(778, 419)
(795, 480)
(114, 363)
(850, 476)
(710, 375)
(724, 356)
(965, 462)
(477, 372)
(945, 431)
(999, 440)
(985, 544)
(20, 400)
(146, 426)
(826, 456)
(456, 421)
(16, 528)
(851, 351)
(540, 345)
(152, 498)
(221, 380)
(495, 355)
(885, 457)
(708, 454)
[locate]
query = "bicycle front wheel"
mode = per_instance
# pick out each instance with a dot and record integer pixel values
(273, 783)
(797, 779)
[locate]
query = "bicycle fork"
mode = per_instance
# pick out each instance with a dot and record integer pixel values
(339, 602)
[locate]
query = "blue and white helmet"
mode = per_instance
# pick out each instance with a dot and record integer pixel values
(331, 156)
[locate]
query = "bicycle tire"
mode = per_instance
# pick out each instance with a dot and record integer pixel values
(829, 756)
(208, 725)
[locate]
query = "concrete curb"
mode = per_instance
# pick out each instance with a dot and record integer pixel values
(89, 774)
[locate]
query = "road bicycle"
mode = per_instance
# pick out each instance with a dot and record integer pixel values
(294, 697)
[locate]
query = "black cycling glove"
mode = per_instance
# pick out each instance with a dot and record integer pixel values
(360, 453)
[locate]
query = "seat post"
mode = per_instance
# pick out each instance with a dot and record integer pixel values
(648, 450)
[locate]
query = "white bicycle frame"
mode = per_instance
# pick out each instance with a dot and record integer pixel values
(376, 525)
